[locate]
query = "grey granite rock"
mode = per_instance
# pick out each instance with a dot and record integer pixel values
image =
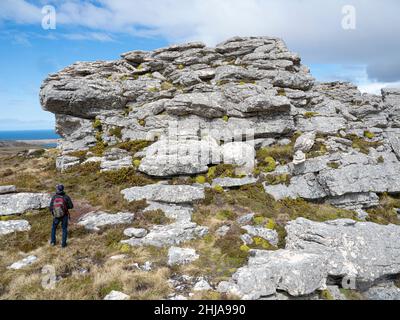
(165, 193)
(178, 256)
(17, 203)
(233, 182)
(168, 235)
(95, 220)
(12, 226)
(25, 262)
(364, 250)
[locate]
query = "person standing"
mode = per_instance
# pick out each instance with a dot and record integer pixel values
(60, 205)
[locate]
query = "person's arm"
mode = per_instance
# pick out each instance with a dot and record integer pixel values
(70, 205)
(51, 207)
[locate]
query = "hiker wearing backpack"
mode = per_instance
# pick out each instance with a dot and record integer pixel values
(59, 208)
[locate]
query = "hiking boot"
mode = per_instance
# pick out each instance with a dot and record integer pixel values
(64, 246)
(52, 244)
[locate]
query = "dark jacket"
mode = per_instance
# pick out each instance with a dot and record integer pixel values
(67, 199)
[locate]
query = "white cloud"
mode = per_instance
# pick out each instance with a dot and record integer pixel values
(312, 29)
(376, 87)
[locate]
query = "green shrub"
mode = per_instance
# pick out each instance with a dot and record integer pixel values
(134, 146)
(281, 92)
(125, 176)
(361, 144)
(116, 132)
(268, 164)
(218, 189)
(309, 115)
(326, 295)
(226, 215)
(369, 134)
(275, 179)
(81, 154)
(166, 85)
(201, 179)
(333, 165)
(156, 217)
(97, 125)
(282, 154)
(225, 118)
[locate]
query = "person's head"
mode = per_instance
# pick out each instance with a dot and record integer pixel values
(60, 188)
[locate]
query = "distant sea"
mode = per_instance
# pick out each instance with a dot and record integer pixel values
(28, 135)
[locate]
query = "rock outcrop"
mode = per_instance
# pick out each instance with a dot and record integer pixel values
(363, 253)
(189, 98)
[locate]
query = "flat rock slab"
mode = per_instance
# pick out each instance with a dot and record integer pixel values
(7, 189)
(179, 256)
(178, 212)
(165, 193)
(21, 202)
(364, 250)
(23, 263)
(11, 226)
(95, 220)
(233, 182)
(169, 235)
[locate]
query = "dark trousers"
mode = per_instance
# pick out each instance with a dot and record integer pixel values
(64, 225)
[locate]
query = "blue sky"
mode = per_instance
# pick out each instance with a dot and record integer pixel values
(103, 29)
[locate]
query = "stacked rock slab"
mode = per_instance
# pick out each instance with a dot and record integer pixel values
(176, 203)
(192, 97)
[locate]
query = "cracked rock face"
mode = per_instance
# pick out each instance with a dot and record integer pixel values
(165, 193)
(364, 250)
(316, 252)
(168, 235)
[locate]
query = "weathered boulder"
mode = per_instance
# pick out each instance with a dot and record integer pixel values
(363, 250)
(17, 203)
(11, 226)
(95, 220)
(177, 256)
(269, 271)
